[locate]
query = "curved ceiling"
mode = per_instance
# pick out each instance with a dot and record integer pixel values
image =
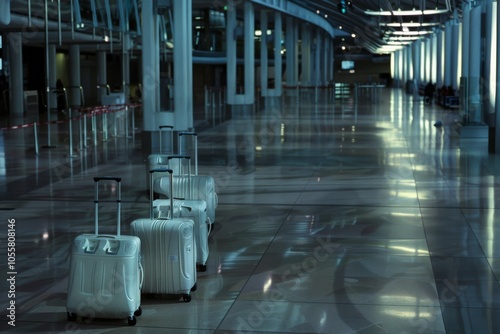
(384, 25)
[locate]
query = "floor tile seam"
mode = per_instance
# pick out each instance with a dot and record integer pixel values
(315, 302)
(435, 279)
(258, 263)
(462, 210)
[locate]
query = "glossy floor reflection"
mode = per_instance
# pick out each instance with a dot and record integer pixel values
(342, 216)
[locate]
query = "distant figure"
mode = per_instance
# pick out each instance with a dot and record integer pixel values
(61, 99)
(429, 93)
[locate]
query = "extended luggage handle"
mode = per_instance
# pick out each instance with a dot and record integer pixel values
(171, 137)
(170, 173)
(118, 201)
(188, 158)
(195, 136)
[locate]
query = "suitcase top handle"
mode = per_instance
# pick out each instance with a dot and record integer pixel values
(107, 178)
(188, 134)
(166, 127)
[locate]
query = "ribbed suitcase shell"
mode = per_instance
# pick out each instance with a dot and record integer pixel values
(159, 160)
(169, 251)
(203, 188)
(169, 255)
(104, 280)
(194, 210)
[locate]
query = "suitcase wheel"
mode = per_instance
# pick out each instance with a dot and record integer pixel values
(132, 320)
(201, 267)
(71, 316)
(195, 287)
(138, 312)
(186, 298)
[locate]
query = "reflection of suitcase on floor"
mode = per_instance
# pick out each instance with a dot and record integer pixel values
(202, 186)
(195, 210)
(169, 252)
(159, 160)
(105, 272)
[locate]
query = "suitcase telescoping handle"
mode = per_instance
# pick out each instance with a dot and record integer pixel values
(161, 170)
(195, 136)
(118, 180)
(188, 158)
(171, 137)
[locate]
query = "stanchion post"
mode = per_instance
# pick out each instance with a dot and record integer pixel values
(70, 133)
(126, 121)
(85, 130)
(35, 133)
(105, 127)
(94, 128)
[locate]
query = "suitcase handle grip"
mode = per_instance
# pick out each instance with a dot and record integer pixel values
(178, 156)
(188, 134)
(118, 201)
(166, 127)
(107, 178)
(160, 170)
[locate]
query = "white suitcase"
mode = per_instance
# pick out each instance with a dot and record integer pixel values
(202, 186)
(105, 272)
(191, 209)
(159, 160)
(169, 252)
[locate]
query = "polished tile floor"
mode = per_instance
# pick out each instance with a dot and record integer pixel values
(341, 216)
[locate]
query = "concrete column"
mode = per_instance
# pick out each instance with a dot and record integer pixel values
(439, 60)
(454, 54)
(249, 31)
(232, 33)
(291, 44)
(497, 95)
(465, 38)
(305, 51)
(126, 66)
(278, 62)
(102, 78)
(52, 75)
(416, 67)
(74, 76)
(475, 52)
(264, 63)
(183, 73)
(448, 58)
(16, 75)
(150, 66)
(318, 78)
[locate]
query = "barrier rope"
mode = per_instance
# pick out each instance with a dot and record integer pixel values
(84, 112)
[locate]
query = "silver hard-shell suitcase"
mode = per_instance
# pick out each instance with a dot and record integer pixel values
(168, 250)
(202, 186)
(105, 274)
(159, 160)
(191, 209)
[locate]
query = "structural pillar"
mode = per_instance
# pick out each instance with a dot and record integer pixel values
(232, 33)
(305, 51)
(16, 75)
(74, 76)
(102, 79)
(183, 63)
(291, 52)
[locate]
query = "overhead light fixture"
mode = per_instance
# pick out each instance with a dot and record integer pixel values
(411, 33)
(409, 24)
(413, 12)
